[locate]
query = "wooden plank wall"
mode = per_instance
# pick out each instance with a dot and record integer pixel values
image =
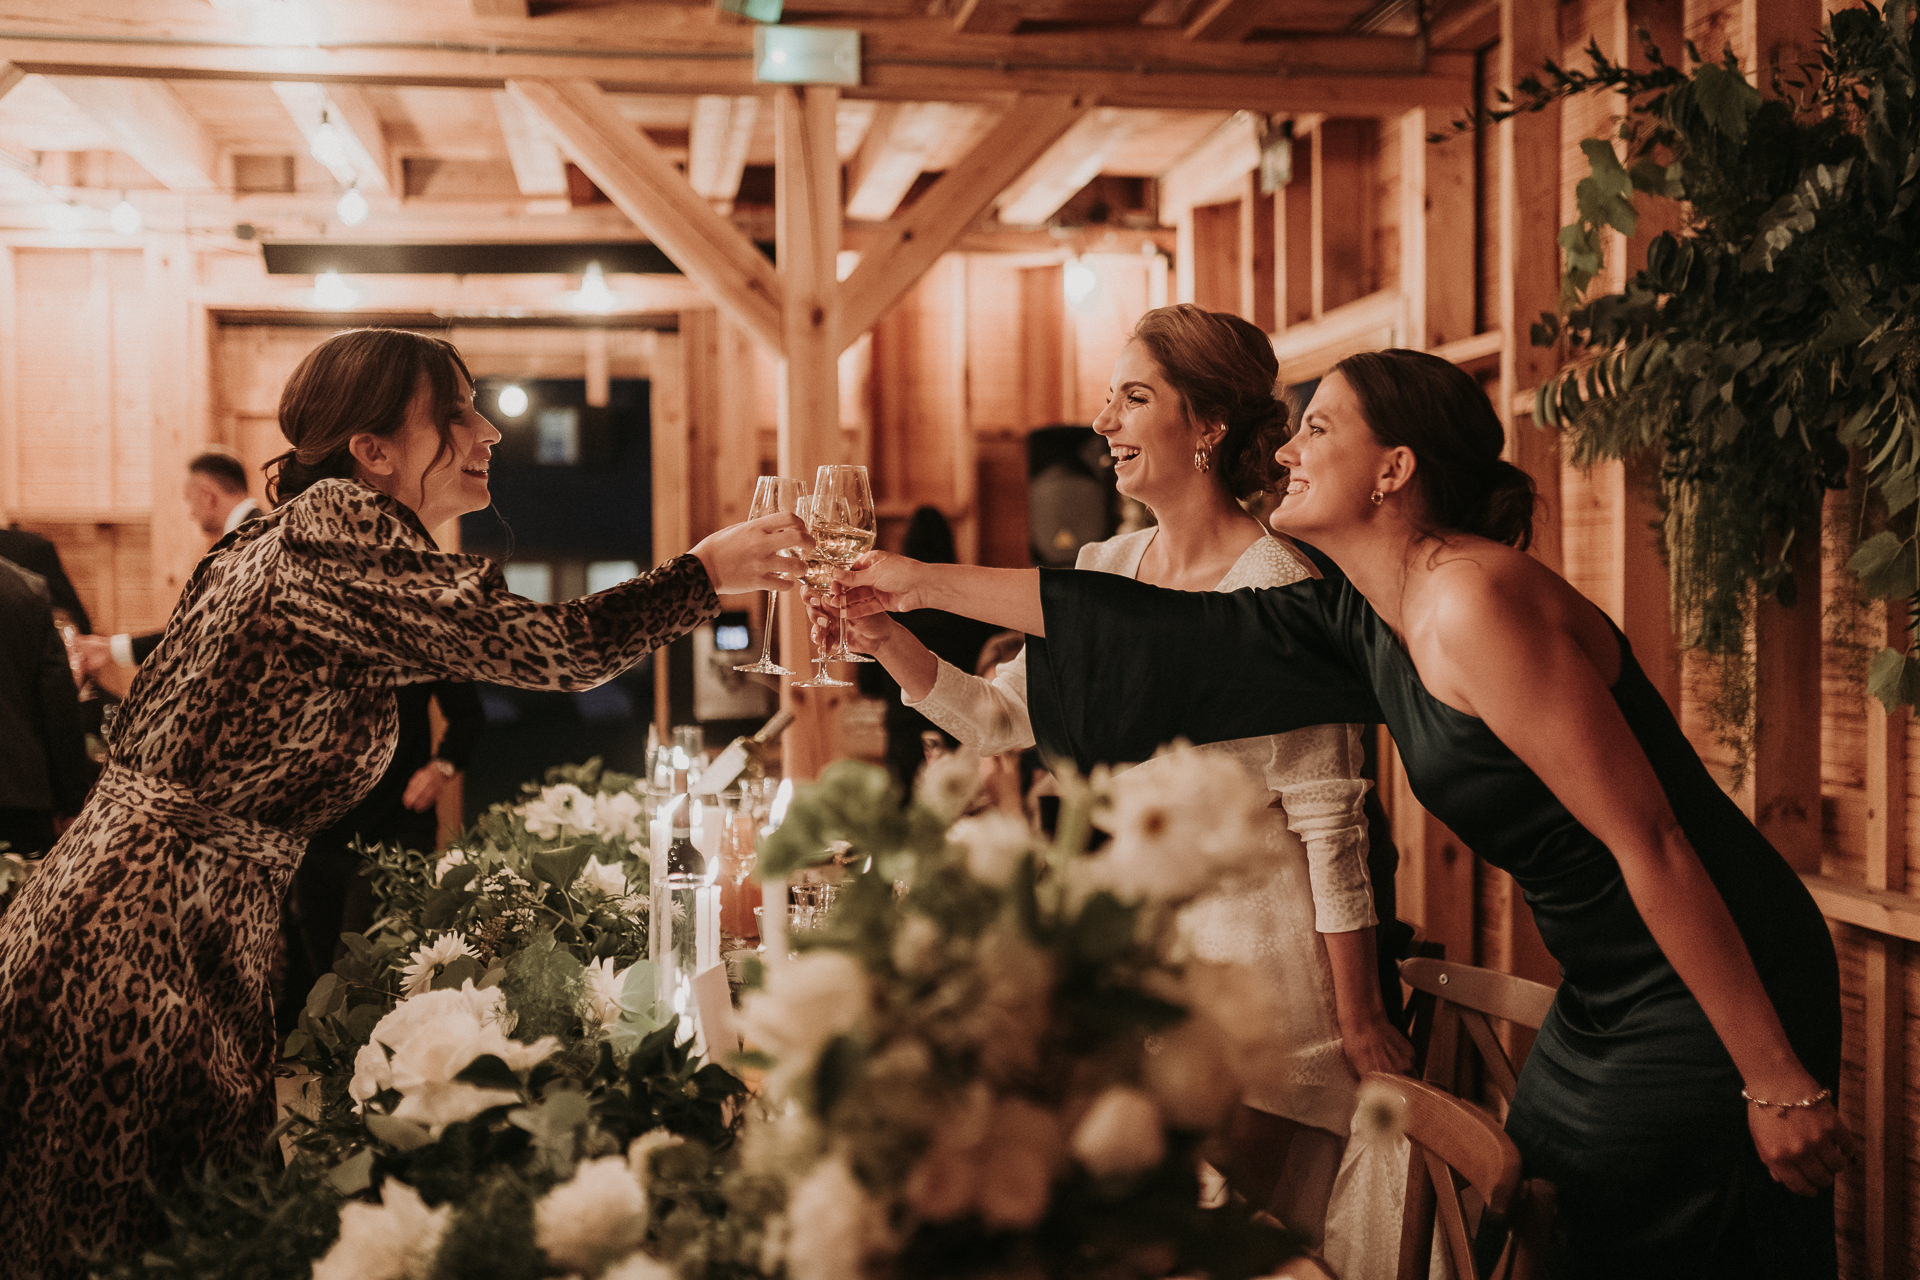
(1851, 790)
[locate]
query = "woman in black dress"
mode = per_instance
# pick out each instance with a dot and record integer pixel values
(1680, 1093)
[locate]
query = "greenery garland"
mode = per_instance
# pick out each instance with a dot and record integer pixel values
(1770, 350)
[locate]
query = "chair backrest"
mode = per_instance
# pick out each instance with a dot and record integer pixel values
(1468, 998)
(1464, 1190)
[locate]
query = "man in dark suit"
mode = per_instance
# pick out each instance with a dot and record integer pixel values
(218, 501)
(44, 771)
(37, 555)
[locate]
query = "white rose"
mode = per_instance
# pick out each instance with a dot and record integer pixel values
(948, 782)
(1026, 1152)
(1189, 1073)
(834, 1224)
(619, 816)
(807, 1001)
(393, 1240)
(640, 1151)
(557, 809)
(997, 844)
(1181, 822)
(1120, 1134)
(597, 1215)
(638, 1266)
(606, 878)
(371, 1073)
(917, 946)
(453, 857)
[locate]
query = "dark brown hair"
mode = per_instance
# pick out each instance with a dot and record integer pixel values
(222, 467)
(362, 380)
(1224, 370)
(1439, 411)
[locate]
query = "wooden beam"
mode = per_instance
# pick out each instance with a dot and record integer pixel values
(900, 143)
(1225, 20)
(687, 50)
(717, 146)
(1258, 243)
(501, 8)
(987, 17)
(1212, 170)
(1343, 200)
(10, 78)
(363, 156)
(539, 170)
(1293, 241)
(149, 122)
(1030, 126)
(647, 187)
(1068, 165)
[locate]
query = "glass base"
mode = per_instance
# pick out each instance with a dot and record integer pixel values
(849, 656)
(821, 680)
(763, 668)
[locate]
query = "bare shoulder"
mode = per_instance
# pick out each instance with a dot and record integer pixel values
(1487, 602)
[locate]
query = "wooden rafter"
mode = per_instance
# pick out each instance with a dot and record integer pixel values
(1065, 167)
(539, 170)
(914, 242)
(500, 8)
(899, 144)
(646, 186)
(1225, 19)
(364, 156)
(987, 17)
(148, 121)
(717, 146)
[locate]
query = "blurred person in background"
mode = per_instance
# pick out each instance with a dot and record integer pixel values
(44, 771)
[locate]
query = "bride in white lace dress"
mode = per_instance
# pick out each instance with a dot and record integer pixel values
(1192, 425)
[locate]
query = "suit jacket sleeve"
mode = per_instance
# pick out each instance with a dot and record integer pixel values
(68, 769)
(459, 704)
(142, 645)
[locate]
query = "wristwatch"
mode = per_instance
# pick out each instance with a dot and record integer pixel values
(445, 767)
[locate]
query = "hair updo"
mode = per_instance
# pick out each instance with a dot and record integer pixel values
(1224, 370)
(1439, 411)
(361, 381)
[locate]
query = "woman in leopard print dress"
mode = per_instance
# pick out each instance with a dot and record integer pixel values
(136, 1029)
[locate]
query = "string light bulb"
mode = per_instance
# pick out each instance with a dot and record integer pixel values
(352, 207)
(65, 216)
(124, 217)
(593, 294)
(326, 145)
(331, 290)
(513, 400)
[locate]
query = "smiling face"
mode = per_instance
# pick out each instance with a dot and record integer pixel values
(439, 479)
(1148, 431)
(1334, 463)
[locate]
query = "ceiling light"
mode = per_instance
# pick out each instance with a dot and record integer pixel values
(352, 207)
(513, 400)
(1079, 281)
(593, 294)
(125, 217)
(328, 145)
(331, 290)
(66, 216)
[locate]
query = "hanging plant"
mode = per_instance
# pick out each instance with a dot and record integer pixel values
(1770, 348)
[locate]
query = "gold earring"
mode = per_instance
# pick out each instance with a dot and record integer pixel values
(1202, 460)
(1377, 497)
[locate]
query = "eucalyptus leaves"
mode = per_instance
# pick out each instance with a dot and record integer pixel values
(1769, 350)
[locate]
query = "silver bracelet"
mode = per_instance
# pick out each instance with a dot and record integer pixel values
(1781, 1108)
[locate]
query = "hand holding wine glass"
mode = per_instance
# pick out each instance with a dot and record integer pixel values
(843, 525)
(819, 577)
(773, 495)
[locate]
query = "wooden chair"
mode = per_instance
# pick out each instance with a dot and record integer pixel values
(1465, 997)
(1463, 1174)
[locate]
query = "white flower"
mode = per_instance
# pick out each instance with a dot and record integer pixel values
(604, 985)
(948, 782)
(917, 945)
(1190, 1074)
(608, 878)
(807, 1001)
(834, 1223)
(561, 807)
(619, 816)
(393, 1240)
(597, 1215)
(997, 844)
(1014, 1005)
(453, 857)
(1181, 823)
(371, 1073)
(425, 964)
(1120, 1134)
(638, 1266)
(433, 1037)
(640, 1151)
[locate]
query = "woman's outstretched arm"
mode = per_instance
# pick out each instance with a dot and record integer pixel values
(882, 582)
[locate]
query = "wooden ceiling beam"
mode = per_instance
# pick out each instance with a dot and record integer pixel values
(962, 194)
(646, 186)
(987, 17)
(1065, 167)
(501, 8)
(1225, 20)
(364, 156)
(539, 170)
(717, 146)
(148, 121)
(900, 143)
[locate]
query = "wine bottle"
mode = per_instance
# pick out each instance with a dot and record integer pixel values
(743, 757)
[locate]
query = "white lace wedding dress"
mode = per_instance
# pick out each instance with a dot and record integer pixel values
(1317, 840)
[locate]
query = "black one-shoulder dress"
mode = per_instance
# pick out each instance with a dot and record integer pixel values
(1628, 1101)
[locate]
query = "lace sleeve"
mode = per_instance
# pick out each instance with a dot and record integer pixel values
(1316, 773)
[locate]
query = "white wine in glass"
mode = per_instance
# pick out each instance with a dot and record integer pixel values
(773, 494)
(843, 526)
(819, 575)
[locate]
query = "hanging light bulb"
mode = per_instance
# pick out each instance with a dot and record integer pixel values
(593, 294)
(66, 216)
(513, 400)
(1079, 281)
(352, 207)
(331, 290)
(124, 217)
(327, 146)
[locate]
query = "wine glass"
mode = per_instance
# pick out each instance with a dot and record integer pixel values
(771, 494)
(819, 576)
(843, 528)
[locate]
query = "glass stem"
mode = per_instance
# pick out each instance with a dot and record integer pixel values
(766, 636)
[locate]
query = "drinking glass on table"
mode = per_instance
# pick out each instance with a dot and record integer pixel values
(819, 576)
(843, 528)
(773, 494)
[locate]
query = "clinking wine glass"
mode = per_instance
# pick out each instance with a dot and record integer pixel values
(773, 494)
(819, 576)
(843, 528)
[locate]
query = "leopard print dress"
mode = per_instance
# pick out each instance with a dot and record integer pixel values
(136, 1028)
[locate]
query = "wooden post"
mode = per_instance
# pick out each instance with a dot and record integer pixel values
(1883, 1125)
(807, 239)
(1343, 251)
(1256, 255)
